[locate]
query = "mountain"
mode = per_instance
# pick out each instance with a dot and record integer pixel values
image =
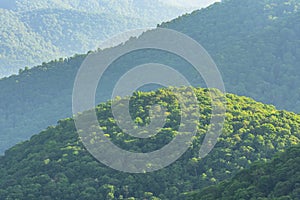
(277, 179)
(36, 31)
(55, 165)
(255, 45)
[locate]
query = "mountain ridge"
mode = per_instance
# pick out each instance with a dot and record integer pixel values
(56, 29)
(259, 62)
(55, 164)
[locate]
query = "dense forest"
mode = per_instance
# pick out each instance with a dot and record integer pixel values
(276, 180)
(256, 46)
(55, 165)
(36, 31)
(254, 43)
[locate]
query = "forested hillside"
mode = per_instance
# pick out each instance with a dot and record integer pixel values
(254, 43)
(278, 179)
(33, 32)
(55, 165)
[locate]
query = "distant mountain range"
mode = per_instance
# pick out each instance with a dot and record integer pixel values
(256, 45)
(32, 31)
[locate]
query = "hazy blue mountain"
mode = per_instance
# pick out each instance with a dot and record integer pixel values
(8, 4)
(256, 45)
(34, 31)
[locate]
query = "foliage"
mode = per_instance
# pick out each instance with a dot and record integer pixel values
(278, 179)
(257, 57)
(55, 164)
(255, 44)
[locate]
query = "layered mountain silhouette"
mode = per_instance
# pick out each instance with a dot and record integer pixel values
(255, 45)
(33, 32)
(55, 165)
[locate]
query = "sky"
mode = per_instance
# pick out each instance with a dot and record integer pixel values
(190, 3)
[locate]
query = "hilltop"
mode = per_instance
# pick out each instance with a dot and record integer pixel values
(255, 45)
(55, 165)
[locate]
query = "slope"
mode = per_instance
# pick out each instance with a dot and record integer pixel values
(55, 164)
(254, 43)
(36, 31)
(278, 179)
